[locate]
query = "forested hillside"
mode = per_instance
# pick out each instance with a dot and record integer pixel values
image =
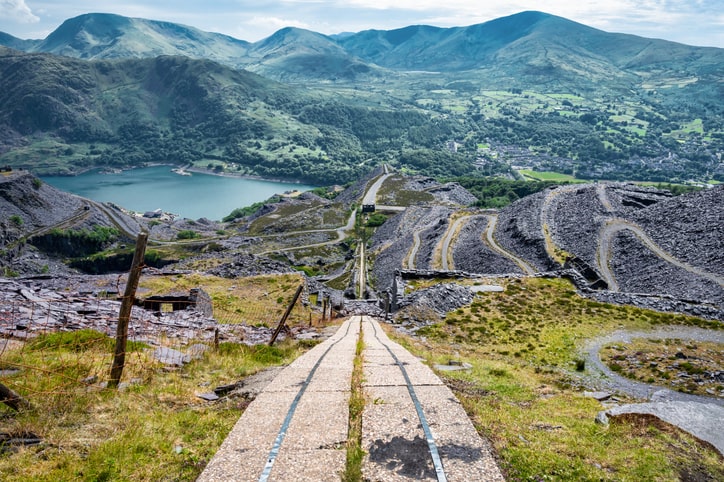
(62, 115)
(529, 91)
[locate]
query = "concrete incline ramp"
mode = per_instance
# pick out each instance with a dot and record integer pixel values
(413, 426)
(313, 444)
(432, 439)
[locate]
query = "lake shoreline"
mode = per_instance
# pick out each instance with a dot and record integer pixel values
(211, 172)
(204, 194)
(187, 168)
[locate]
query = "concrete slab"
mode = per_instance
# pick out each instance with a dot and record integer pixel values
(331, 379)
(392, 432)
(238, 465)
(314, 444)
(313, 448)
(319, 422)
(309, 465)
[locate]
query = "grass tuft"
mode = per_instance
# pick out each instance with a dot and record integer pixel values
(355, 453)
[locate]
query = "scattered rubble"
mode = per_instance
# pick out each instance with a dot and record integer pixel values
(471, 254)
(440, 298)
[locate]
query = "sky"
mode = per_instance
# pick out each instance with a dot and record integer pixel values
(693, 22)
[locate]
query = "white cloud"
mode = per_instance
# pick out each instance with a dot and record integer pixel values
(17, 10)
(276, 23)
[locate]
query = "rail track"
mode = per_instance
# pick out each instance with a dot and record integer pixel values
(296, 429)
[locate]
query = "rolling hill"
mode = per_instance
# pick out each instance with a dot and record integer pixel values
(561, 95)
(62, 115)
(521, 47)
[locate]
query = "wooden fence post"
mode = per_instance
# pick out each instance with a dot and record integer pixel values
(13, 400)
(286, 315)
(134, 275)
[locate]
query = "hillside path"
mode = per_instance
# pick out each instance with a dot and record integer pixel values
(371, 195)
(603, 255)
(446, 256)
(411, 260)
(489, 238)
(296, 429)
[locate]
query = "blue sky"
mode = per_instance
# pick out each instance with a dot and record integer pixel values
(694, 22)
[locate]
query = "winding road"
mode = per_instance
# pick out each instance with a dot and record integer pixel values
(341, 234)
(603, 377)
(371, 195)
(446, 255)
(412, 255)
(603, 253)
(490, 241)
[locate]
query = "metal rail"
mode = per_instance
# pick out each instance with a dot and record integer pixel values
(432, 446)
(274, 452)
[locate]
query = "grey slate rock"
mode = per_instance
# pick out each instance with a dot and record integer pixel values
(601, 418)
(169, 356)
(600, 396)
(209, 397)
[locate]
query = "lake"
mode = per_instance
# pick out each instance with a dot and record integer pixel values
(193, 197)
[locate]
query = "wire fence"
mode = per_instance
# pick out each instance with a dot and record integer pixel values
(54, 342)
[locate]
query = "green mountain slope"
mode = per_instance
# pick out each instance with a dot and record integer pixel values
(526, 48)
(104, 36)
(530, 47)
(531, 90)
(61, 115)
(296, 54)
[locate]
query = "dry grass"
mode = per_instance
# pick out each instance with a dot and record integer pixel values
(157, 429)
(255, 300)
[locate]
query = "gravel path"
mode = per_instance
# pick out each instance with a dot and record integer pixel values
(490, 238)
(614, 227)
(445, 255)
(603, 378)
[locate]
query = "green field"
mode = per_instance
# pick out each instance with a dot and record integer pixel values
(549, 176)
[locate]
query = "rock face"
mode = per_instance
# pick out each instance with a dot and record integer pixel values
(630, 243)
(651, 242)
(36, 203)
(690, 227)
(641, 271)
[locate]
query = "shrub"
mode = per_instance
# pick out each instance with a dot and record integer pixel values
(187, 234)
(16, 220)
(376, 219)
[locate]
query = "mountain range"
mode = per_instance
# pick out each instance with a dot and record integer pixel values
(588, 99)
(529, 44)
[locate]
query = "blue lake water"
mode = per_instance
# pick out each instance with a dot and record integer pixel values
(193, 197)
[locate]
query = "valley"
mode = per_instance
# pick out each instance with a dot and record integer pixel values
(473, 192)
(302, 106)
(516, 301)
